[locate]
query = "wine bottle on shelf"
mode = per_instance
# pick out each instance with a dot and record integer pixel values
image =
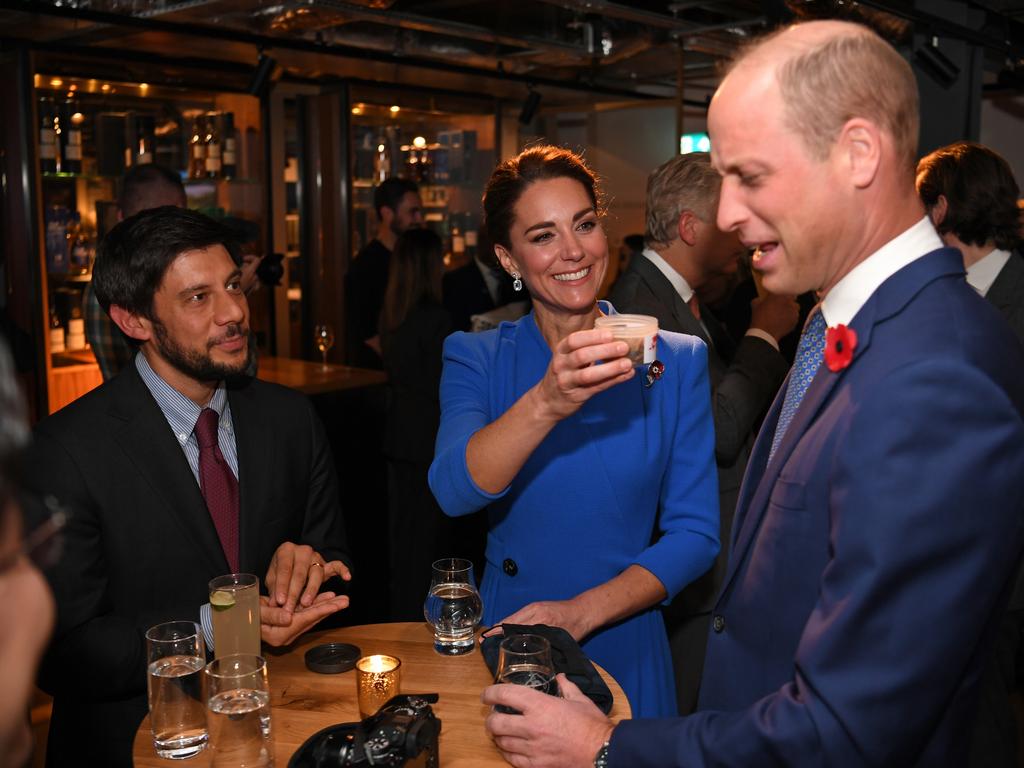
(229, 167)
(71, 134)
(212, 141)
(47, 136)
(197, 152)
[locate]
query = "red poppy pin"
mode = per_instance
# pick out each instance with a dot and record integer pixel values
(840, 342)
(654, 372)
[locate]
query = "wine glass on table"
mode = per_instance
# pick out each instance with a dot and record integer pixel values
(323, 337)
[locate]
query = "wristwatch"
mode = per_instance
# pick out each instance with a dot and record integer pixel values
(601, 759)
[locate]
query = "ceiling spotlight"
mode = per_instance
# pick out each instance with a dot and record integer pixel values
(395, 109)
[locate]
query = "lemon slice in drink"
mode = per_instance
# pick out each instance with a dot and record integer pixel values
(221, 600)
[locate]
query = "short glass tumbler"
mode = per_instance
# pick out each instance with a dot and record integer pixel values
(239, 702)
(176, 655)
(525, 660)
(453, 606)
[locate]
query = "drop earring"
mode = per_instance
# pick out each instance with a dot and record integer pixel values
(517, 283)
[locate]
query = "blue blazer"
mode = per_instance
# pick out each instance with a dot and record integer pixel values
(871, 558)
(629, 478)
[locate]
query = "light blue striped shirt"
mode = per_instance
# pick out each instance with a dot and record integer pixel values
(182, 415)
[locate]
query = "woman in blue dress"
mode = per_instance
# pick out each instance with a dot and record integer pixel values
(598, 478)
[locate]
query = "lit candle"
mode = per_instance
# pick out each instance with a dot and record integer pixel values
(378, 679)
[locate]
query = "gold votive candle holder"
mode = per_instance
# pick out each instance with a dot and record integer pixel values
(378, 679)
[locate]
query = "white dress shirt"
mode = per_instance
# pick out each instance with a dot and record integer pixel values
(851, 293)
(982, 273)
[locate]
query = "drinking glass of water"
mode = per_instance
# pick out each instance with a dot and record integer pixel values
(239, 703)
(453, 607)
(525, 660)
(176, 656)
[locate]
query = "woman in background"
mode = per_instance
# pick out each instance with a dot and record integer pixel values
(578, 461)
(413, 326)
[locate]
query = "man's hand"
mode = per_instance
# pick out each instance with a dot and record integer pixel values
(281, 627)
(295, 574)
(774, 314)
(551, 732)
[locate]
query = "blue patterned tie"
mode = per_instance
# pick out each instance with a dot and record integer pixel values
(808, 357)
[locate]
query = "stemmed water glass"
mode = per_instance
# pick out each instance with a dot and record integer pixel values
(323, 338)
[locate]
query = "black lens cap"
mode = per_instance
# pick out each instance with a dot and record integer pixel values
(332, 658)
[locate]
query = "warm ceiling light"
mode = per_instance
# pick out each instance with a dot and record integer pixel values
(395, 109)
(77, 119)
(380, 147)
(105, 87)
(357, 110)
(72, 87)
(56, 82)
(143, 87)
(419, 142)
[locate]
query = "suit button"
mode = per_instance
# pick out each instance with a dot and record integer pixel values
(510, 567)
(718, 624)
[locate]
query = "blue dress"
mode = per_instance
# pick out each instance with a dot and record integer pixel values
(585, 505)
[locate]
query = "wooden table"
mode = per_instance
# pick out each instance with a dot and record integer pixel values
(315, 378)
(304, 702)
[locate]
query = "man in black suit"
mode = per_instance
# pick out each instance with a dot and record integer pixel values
(971, 197)
(398, 206)
(175, 472)
(477, 287)
(686, 251)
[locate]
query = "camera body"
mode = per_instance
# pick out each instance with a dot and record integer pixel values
(404, 732)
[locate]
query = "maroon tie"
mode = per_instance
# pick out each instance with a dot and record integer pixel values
(219, 486)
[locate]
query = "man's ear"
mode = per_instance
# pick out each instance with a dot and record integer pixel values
(860, 142)
(937, 213)
(686, 228)
(505, 259)
(134, 325)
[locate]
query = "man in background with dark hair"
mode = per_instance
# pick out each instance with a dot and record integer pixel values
(143, 187)
(176, 471)
(398, 206)
(971, 197)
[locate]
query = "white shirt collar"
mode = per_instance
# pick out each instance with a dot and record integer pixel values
(851, 293)
(678, 281)
(982, 273)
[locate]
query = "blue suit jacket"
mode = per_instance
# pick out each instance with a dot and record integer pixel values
(871, 557)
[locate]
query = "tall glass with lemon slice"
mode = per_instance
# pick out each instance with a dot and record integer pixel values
(235, 608)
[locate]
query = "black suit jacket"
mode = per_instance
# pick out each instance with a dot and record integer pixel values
(465, 294)
(141, 546)
(744, 379)
(1007, 293)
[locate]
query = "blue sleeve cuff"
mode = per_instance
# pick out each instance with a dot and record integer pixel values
(456, 491)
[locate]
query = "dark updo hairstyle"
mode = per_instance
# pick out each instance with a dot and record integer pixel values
(512, 177)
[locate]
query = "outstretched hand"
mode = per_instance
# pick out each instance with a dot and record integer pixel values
(279, 626)
(567, 614)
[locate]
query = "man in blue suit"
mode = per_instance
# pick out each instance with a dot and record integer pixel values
(880, 519)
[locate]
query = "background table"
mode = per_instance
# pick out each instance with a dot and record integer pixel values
(304, 702)
(315, 378)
